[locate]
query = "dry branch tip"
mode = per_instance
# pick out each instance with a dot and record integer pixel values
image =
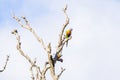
(5, 64)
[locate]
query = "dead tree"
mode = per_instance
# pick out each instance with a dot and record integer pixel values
(50, 64)
(4, 67)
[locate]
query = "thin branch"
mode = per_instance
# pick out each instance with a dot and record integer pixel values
(63, 43)
(32, 74)
(19, 21)
(15, 32)
(64, 26)
(39, 70)
(43, 72)
(62, 70)
(45, 68)
(62, 38)
(27, 26)
(26, 21)
(5, 64)
(38, 73)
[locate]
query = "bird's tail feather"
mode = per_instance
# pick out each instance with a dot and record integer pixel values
(67, 44)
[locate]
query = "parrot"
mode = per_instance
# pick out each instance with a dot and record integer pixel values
(68, 34)
(58, 57)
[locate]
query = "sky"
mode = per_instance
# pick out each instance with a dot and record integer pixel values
(93, 52)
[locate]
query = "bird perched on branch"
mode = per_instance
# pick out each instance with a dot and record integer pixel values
(58, 57)
(68, 34)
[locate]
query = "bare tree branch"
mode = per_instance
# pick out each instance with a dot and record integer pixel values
(32, 74)
(62, 70)
(64, 26)
(63, 43)
(27, 26)
(44, 71)
(33, 63)
(5, 64)
(62, 40)
(15, 32)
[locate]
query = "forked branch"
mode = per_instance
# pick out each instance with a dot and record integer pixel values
(40, 75)
(27, 26)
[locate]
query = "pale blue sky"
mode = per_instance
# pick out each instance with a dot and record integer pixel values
(93, 52)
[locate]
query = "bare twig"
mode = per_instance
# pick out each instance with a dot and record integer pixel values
(35, 75)
(32, 74)
(63, 43)
(62, 70)
(26, 21)
(5, 64)
(44, 71)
